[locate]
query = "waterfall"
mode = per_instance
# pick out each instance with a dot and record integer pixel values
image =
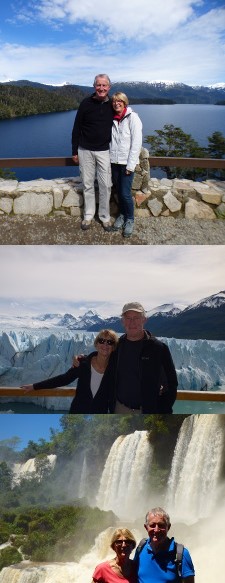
(27, 572)
(123, 483)
(83, 480)
(193, 491)
(26, 470)
(196, 467)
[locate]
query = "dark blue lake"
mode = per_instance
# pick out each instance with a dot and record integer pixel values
(50, 134)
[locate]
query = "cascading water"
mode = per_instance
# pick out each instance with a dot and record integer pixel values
(196, 467)
(25, 470)
(123, 483)
(194, 482)
(83, 480)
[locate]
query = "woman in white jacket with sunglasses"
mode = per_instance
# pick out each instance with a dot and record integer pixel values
(125, 149)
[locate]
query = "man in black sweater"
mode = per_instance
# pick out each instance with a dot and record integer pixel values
(141, 371)
(90, 149)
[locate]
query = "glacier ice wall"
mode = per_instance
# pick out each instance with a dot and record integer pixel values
(28, 356)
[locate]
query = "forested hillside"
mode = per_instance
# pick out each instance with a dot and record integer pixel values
(18, 101)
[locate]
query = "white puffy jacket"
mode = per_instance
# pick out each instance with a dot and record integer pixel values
(126, 140)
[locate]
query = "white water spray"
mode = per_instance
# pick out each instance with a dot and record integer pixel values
(123, 483)
(196, 467)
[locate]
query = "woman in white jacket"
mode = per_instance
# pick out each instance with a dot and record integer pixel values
(125, 149)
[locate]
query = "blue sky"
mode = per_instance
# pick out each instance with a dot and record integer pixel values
(28, 427)
(57, 41)
(61, 278)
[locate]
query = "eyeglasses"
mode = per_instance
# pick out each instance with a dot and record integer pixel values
(120, 543)
(118, 101)
(161, 525)
(105, 341)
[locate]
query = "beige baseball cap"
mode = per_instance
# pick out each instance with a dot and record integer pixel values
(135, 306)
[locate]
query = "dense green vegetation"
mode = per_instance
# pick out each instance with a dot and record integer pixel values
(42, 514)
(7, 174)
(27, 100)
(172, 142)
(52, 534)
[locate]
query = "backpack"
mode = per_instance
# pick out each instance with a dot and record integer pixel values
(178, 559)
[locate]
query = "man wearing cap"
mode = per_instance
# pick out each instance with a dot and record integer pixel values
(141, 372)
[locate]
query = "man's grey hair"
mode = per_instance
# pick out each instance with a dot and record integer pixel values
(102, 75)
(158, 511)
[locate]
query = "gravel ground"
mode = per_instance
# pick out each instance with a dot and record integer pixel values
(66, 231)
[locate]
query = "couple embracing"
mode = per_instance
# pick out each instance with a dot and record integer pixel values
(131, 374)
(107, 140)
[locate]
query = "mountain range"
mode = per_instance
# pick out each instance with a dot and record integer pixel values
(151, 91)
(202, 320)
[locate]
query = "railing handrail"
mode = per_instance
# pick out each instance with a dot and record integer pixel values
(155, 161)
(217, 396)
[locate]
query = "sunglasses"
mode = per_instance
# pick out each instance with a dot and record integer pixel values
(105, 341)
(120, 543)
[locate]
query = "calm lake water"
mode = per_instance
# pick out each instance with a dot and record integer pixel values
(50, 134)
(181, 407)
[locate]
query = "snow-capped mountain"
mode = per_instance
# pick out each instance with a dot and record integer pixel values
(167, 309)
(140, 90)
(214, 301)
(203, 319)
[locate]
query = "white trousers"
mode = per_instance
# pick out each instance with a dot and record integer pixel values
(92, 164)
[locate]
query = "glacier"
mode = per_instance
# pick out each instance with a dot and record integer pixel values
(28, 356)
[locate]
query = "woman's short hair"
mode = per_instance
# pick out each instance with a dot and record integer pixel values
(127, 534)
(121, 96)
(110, 334)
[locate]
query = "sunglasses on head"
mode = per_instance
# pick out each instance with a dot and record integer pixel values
(120, 543)
(106, 341)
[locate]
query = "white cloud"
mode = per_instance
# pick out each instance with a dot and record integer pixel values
(107, 277)
(122, 17)
(181, 40)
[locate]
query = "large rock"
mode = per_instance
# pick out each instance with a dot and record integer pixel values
(39, 185)
(8, 187)
(58, 197)
(72, 199)
(171, 202)
(220, 211)
(212, 197)
(33, 204)
(6, 205)
(155, 207)
(198, 210)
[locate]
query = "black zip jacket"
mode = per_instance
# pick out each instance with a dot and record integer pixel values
(156, 369)
(83, 402)
(93, 125)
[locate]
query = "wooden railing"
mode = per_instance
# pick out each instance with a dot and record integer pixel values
(155, 161)
(216, 396)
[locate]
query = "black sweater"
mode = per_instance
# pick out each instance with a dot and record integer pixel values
(83, 402)
(92, 125)
(156, 368)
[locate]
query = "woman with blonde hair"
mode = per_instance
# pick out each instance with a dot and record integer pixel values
(121, 566)
(92, 393)
(125, 147)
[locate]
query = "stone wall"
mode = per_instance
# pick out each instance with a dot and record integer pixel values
(153, 197)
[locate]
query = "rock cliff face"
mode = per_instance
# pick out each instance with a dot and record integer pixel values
(152, 197)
